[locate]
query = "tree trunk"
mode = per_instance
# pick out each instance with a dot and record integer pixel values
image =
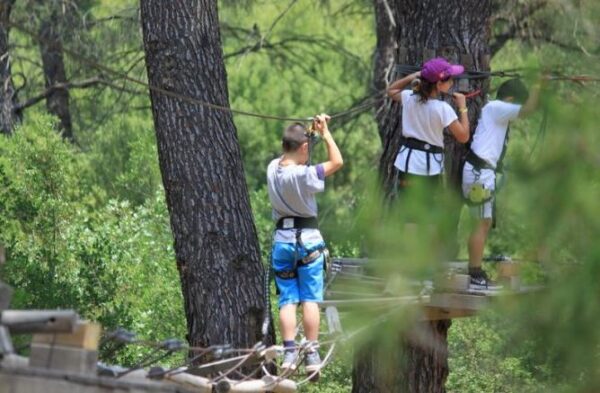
(420, 364)
(216, 244)
(8, 94)
(415, 31)
(51, 51)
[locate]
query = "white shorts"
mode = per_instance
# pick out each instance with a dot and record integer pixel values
(487, 179)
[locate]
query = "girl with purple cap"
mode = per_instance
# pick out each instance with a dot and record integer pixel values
(424, 117)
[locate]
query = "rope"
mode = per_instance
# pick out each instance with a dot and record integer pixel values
(124, 76)
(468, 74)
(508, 73)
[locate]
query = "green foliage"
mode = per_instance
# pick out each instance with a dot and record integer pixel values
(87, 227)
(112, 263)
(123, 159)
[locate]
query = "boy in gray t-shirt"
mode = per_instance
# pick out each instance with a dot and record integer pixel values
(297, 259)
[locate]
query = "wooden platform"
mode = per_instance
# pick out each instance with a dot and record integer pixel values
(449, 296)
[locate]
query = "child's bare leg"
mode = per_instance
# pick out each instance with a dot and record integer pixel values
(312, 319)
(477, 242)
(287, 321)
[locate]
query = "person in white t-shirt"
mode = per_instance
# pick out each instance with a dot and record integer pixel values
(420, 160)
(298, 255)
(482, 161)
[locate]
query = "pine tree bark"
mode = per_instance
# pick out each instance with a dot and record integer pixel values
(216, 244)
(51, 51)
(411, 32)
(8, 94)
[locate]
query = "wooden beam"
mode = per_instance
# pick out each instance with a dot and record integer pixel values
(85, 336)
(225, 364)
(38, 321)
(458, 301)
(68, 359)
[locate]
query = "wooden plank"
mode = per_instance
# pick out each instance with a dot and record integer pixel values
(85, 336)
(76, 360)
(28, 380)
(455, 282)
(458, 301)
(38, 321)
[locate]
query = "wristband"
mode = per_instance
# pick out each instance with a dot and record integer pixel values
(463, 110)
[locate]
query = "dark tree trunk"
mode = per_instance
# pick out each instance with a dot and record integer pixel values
(415, 31)
(51, 51)
(420, 364)
(216, 245)
(8, 95)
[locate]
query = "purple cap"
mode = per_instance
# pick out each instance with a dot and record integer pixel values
(438, 69)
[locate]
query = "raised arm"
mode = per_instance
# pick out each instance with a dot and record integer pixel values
(460, 128)
(534, 98)
(334, 156)
(396, 87)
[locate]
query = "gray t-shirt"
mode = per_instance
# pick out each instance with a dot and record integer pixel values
(292, 190)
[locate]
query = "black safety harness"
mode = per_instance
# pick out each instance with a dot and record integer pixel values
(313, 254)
(479, 164)
(417, 144)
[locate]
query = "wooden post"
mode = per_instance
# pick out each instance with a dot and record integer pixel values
(86, 335)
(74, 352)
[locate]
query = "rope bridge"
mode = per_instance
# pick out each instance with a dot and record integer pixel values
(350, 286)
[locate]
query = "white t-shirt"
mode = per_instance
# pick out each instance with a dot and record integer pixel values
(292, 190)
(489, 137)
(426, 122)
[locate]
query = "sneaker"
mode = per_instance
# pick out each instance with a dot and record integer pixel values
(482, 282)
(312, 362)
(290, 359)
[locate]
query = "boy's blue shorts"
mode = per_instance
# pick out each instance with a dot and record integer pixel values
(308, 285)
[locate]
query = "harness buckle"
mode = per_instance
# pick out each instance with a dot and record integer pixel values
(288, 223)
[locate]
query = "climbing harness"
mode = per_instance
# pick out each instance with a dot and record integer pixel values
(311, 254)
(417, 144)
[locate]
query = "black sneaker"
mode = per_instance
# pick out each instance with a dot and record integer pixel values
(480, 281)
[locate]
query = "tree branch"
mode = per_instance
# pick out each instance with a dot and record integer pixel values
(72, 85)
(514, 28)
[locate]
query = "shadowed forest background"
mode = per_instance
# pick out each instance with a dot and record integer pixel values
(82, 209)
